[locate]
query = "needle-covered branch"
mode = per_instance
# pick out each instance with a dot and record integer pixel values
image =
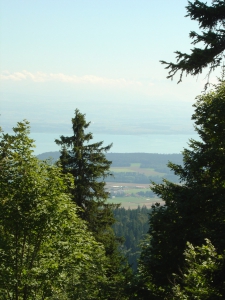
(212, 20)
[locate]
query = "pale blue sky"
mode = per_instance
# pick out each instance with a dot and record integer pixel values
(100, 56)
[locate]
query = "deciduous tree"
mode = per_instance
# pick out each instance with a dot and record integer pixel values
(199, 279)
(46, 251)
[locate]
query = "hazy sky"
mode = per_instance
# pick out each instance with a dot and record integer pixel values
(100, 56)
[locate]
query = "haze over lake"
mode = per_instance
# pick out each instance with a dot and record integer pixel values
(103, 58)
(155, 143)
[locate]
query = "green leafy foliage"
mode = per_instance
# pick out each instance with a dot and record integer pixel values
(199, 279)
(46, 251)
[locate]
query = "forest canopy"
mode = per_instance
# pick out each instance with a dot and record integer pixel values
(61, 238)
(46, 250)
(192, 213)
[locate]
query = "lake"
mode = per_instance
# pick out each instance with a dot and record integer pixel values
(146, 143)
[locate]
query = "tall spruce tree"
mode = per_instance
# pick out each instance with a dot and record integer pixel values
(89, 167)
(211, 20)
(194, 209)
(87, 163)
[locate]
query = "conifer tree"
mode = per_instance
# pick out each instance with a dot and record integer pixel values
(211, 19)
(89, 167)
(87, 163)
(194, 209)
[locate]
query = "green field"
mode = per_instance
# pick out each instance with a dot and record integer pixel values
(130, 198)
(126, 193)
(134, 202)
(136, 168)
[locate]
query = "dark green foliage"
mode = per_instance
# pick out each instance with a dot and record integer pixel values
(88, 165)
(132, 225)
(195, 209)
(211, 21)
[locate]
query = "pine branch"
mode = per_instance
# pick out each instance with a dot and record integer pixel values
(211, 55)
(194, 63)
(207, 16)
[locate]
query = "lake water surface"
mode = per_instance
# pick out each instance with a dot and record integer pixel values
(154, 143)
